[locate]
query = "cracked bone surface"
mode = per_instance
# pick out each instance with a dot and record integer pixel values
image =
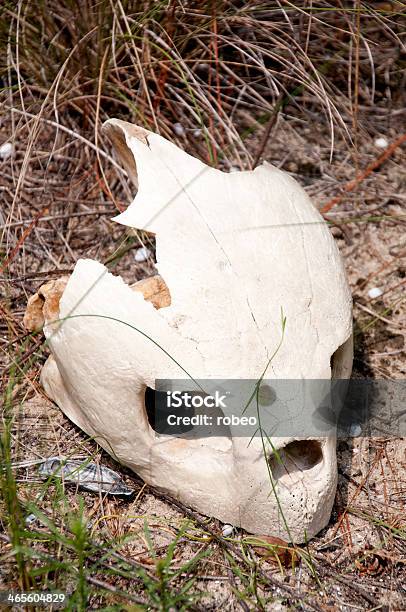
(233, 249)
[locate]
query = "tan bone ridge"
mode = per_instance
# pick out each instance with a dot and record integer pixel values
(44, 304)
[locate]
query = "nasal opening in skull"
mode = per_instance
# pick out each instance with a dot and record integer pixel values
(297, 456)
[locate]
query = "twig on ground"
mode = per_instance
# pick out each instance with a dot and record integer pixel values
(364, 174)
(271, 122)
(290, 591)
(112, 589)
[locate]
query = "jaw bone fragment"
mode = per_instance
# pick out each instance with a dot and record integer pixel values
(232, 250)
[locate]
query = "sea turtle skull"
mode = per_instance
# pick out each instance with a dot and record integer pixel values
(233, 250)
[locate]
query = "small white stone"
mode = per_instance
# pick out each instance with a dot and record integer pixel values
(381, 142)
(30, 519)
(227, 531)
(142, 254)
(375, 292)
(6, 150)
(178, 129)
(355, 430)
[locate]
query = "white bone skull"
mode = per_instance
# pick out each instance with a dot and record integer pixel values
(233, 249)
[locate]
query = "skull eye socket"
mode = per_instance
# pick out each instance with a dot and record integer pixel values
(149, 403)
(157, 419)
(297, 456)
